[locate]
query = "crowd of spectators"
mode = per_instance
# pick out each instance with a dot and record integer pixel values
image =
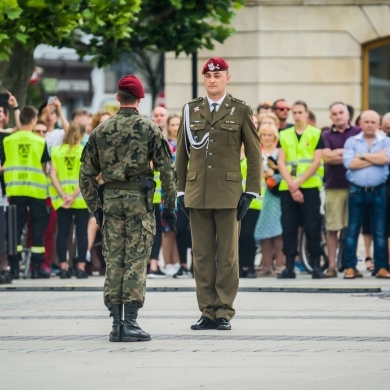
(70, 243)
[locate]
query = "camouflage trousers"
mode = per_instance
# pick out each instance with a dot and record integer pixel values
(128, 232)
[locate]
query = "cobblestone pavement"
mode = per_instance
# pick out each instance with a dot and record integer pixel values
(59, 339)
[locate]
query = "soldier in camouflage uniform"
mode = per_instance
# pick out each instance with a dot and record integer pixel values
(122, 149)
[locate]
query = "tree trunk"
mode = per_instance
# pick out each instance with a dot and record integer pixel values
(151, 66)
(16, 73)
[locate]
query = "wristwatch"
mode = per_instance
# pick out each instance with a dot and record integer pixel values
(361, 156)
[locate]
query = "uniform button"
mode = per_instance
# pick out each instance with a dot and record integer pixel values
(212, 128)
(210, 154)
(211, 140)
(209, 166)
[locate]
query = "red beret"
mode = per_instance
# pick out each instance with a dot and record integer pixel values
(131, 84)
(215, 64)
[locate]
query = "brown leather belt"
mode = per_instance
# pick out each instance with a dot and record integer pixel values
(125, 185)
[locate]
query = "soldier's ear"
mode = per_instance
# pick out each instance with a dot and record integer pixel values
(116, 97)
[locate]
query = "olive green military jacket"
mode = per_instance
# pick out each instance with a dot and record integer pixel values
(210, 175)
(121, 148)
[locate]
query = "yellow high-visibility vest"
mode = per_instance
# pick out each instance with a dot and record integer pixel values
(301, 155)
(157, 191)
(67, 163)
(257, 203)
(23, 173)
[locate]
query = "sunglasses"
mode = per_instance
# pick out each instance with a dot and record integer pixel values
(40, 131)
(283, 108)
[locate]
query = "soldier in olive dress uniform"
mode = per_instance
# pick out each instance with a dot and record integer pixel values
(121, 148)
(210, 136)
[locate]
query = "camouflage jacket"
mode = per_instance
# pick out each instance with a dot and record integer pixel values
(121, 148)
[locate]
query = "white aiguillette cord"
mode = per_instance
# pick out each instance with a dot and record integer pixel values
(190, 138)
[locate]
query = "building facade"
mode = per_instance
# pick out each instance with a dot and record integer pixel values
(312, 50)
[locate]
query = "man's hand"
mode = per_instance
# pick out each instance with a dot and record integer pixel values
(180, 203)
(243, 205)
(169, 218)
(297, 196)
(99, 217)
(294, 185)
(12, 102)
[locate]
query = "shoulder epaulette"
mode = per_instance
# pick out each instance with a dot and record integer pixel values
(199, 99)
(238, 101)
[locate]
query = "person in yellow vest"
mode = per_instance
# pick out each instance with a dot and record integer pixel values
(246, 241)
(67, 199)
(154, 271)
(299, 163)
(26, 156)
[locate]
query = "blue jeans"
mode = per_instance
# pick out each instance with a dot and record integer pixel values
(373, 199)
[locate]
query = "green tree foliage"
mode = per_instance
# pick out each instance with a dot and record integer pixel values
(112, 28)
(66, 23)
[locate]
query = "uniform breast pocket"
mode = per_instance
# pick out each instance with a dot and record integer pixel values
(230, 134)
(198, 131)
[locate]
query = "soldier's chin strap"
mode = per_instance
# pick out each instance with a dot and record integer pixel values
(189, 139)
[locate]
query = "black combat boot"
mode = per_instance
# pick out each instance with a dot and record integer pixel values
(131, 330)
(288, 272)
(317, 271)
(117, 324)
(14, 261)
(38, 272)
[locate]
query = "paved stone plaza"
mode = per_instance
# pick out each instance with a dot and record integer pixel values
(280, 340)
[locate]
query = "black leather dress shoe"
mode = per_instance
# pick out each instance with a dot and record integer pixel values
(287, 274)
(223, 324)
(204, 323)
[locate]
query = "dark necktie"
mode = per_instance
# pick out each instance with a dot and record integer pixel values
(215, 105)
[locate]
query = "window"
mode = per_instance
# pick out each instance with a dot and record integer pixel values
(376, 76)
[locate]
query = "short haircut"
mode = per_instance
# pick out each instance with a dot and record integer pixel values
(41, 122)
(126, 98)
(337, 103)
(301, 103)
(27, 115)
(386, 117)
(268, 126)
(312, 117)
(276, 102)
(80, 112)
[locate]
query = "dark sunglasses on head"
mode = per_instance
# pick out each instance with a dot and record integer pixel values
(40, 131)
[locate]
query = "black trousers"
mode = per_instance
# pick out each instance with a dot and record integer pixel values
(246, 242)
(64, 220)
(183, 235)
(39, 216)
(308, 213)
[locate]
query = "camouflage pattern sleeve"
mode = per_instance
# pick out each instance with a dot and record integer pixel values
(90, 168)
(162, 161)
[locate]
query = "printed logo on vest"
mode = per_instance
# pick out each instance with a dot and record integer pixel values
(24, 150)
(69, 162)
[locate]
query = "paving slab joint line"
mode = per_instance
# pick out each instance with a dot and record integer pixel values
(294, 289)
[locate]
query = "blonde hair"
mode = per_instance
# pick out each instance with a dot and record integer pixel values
(268, 126)
(74, 135)
(96, 118)
(270, 115)
(170, 117)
